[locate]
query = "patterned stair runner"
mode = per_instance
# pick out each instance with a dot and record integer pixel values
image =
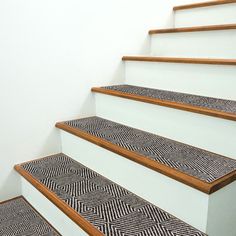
(221, 105)
(19, 218)
(195, 162)
(108, 207)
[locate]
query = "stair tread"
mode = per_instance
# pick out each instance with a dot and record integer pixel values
(207, 105)
(195, 167)
(18, 217)
(194, 29)
(203, 4)
(108, 208)
(208, 61)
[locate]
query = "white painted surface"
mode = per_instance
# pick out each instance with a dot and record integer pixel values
(168, 194)
(210, 133)
(205, 80)
(213, 15)
(52, 53)
(203, 44)
(49, 211)
(222, 212)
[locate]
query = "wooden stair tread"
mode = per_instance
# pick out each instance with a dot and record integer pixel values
(189, 165)
(203, 4)
(220, 108)
(18, 217)
(100, 206)
(209, 61)
(194, 29)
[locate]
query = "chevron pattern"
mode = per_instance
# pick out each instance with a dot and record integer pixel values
(193, 161)
(222, 105)
(110, 208)
(18, 218)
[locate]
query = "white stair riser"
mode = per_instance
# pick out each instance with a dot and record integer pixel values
(210, 133)
(206, 80)
(204, 44)
(49, 211)
(148, 184)
(213, 15)
(222, 212)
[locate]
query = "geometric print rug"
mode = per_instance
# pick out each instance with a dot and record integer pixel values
(108, 207)
(193, 161)
(223, 105)
(18, 218)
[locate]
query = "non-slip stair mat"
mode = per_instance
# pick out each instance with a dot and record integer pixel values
(110, 208)
(18, 218)
(221, 105)
(190, 160)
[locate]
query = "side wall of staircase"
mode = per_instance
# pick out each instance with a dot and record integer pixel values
(52, 53)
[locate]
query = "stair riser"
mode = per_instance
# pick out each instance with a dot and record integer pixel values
(213, 15)
(48, 210)
(154, 187)
(204, 44)
(205, 80)
(170, 195)
(186, 127)
(222, 212)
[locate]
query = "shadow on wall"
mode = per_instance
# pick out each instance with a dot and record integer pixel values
(11, 182)
(10, 185)
(118, 76)
(51, 144)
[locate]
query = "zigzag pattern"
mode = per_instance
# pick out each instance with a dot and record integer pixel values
(107, 206)
(190, 160)
(195, 100)
(18, 218)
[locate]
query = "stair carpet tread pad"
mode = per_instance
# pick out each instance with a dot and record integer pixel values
(110, 208)
(201, 164)
(222, 105)
(18, 218)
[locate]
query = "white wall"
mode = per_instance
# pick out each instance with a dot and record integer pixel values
(51, 53)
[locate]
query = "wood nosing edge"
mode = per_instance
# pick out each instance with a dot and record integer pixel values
(71, 213)
(194, 29)
(191, 181)
(208, 61)
(170, 104)
(203, 4)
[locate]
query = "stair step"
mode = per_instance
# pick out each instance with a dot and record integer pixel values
(95, 203)
(184, 126)
(204, 105)
(206, 61)
(208, 79)
(203, 4)
(194, 29)
(205, 13)
(18, 217)
(200, 169)
(212, 41)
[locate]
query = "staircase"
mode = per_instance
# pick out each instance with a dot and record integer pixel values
(159, 156)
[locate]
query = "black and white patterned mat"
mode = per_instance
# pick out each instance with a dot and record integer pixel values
(18, 218)
(216, 104)
(190, 160)
(107, 206)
